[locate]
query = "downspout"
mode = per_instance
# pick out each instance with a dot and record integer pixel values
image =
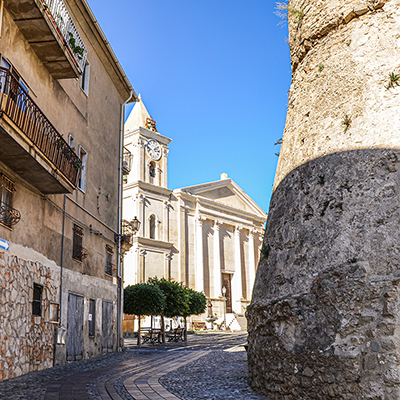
(119, 265)
(61, 281)
(1, 15)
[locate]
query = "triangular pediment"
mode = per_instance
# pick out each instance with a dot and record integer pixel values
(226, 192)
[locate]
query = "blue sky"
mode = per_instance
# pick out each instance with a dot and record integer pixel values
(214, 75)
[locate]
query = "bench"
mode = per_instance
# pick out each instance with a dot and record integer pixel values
(150, 335)
(201, 325)
(175, 335)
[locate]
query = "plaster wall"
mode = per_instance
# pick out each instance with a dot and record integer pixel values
(87, 117)
(94, 121)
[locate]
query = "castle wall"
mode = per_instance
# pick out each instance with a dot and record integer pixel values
(323, 323)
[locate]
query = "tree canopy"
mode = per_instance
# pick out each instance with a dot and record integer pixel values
(144, 299)
(177, 297)
(163, 297)
(197, 302)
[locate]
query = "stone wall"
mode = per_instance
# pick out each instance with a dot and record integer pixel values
(27, 342)
(323, 323)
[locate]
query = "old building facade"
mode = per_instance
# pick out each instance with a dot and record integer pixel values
(206, 236)
(62, 96)
(324, 321)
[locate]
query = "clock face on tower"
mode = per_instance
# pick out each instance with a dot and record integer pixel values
(153, 149)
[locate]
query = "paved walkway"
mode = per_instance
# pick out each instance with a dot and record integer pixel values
(141, 378)
(136, 373)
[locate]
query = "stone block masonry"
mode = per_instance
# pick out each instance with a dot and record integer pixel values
(26, 341)
(324, 320)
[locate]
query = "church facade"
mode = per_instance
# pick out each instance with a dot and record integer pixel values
(206, 236)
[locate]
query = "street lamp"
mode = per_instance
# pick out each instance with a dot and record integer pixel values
(223, 294)
(135, 224)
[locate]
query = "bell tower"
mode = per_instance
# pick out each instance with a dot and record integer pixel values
(148, 147)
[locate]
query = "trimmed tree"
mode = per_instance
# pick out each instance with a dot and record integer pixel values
(197, 305)
(144, 299)
(177, 299)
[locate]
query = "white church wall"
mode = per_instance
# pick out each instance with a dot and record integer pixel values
(227, 248)
(154, 265)
(208, 256)
(190, 250)
(244, 250)
(130, 268)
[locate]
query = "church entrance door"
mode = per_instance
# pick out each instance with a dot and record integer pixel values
(226, 281)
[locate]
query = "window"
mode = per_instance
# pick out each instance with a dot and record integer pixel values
(4, 63)
(8, 216)
(109, 264)
(82, 175)
(77, 249)
(92, 317)
(84, 81)
(152, 169)
(152, 226)
(71, 142)
(37, 300)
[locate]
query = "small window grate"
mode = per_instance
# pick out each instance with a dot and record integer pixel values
(77, 249)
(8, 215)
(37, 300)
(109, 265)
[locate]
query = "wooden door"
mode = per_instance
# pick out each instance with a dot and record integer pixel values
(107, 326)
(226, 281)
(75, 327)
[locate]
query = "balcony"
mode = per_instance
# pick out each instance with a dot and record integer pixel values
(126, 237)
(52, 34)
(29, 143)
(126, 161)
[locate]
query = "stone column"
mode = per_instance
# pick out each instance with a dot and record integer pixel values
(159, 176)
(237, 276)
(252, 261)
(142, 159)
(142, 265)
(199, 277)
(164, 182)
(140, 213)
(217, 260)
(167, 205)
(167, 265)
(182, 241)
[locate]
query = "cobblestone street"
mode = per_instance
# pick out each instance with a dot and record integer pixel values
(207, 366)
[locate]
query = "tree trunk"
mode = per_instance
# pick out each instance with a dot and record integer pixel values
(163, 328)
(139, 339)
(185, 332)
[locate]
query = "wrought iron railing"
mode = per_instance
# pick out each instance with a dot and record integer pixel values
(79, 252)
(127, 161)
(9, 216)
(27, 116)
(111, 269)
(65, 25)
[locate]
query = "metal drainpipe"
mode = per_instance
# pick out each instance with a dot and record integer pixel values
(119, 266)
(61, 278)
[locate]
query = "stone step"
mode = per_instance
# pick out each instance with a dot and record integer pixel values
(241, 319)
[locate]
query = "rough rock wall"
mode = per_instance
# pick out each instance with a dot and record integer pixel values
(324, 323)
(26, 342)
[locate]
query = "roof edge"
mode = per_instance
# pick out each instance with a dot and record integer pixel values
(122, 75)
